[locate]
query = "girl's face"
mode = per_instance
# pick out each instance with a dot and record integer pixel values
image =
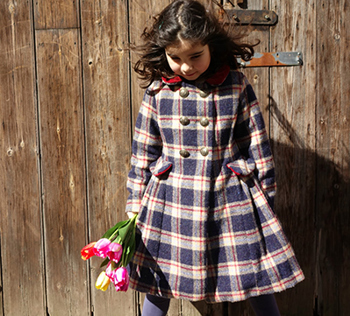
(188, 60)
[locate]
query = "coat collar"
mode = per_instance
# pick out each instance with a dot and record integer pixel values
(215, 80)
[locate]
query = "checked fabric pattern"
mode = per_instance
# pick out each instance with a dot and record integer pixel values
(203, 183)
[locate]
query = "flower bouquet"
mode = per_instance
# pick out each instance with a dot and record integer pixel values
(117, 247)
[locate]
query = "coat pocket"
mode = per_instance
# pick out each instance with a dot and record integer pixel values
(160, 167)
(242, 167)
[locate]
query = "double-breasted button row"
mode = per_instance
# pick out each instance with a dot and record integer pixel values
(184, 93)
(204, 121)
(185, 153)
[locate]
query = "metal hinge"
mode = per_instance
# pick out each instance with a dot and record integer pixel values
(278, 59)
(252, 17)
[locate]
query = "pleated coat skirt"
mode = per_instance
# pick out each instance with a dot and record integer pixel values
(203, 183)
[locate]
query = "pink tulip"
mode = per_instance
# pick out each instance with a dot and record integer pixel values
(115, 252)
(119, 277)
(105, 248)
(102, 247)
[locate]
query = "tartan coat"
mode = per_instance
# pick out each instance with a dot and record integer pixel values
(203, 182)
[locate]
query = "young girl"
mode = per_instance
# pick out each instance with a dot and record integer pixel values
(202, 178)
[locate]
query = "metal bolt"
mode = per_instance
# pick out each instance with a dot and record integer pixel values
(267, 17)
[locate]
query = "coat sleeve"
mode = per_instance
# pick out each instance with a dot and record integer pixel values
(146, 148)
(253, 141)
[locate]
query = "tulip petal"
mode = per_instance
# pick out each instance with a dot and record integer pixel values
(102, 282)
(88, 251)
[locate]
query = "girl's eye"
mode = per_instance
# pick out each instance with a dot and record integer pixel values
(196, 56)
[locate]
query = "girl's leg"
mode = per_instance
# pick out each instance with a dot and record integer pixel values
(264, 305)
(155, 305)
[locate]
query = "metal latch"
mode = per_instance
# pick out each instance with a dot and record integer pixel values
(278, 59)
(251, 17)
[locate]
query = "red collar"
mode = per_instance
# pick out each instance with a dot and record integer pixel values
(215, 80)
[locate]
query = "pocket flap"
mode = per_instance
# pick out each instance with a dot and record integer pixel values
(242, 167)
(160, 166)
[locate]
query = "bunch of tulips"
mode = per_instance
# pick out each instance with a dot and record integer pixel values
(117, 247)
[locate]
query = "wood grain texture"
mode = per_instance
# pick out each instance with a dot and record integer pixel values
(293, 102)
(20, 215)
(108, 130)
(56, 14)
(63, 172)
(333, 158)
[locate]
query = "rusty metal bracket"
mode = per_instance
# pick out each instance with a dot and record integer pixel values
(252, 17)
(278, 59)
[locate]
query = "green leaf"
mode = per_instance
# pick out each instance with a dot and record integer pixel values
(104, 262)
(117, 226)
(129, 249)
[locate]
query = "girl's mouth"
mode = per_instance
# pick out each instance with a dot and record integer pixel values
(190, 75)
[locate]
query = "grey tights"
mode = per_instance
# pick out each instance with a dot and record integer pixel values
(264, 305)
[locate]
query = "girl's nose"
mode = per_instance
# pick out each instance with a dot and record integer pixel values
(185, 67)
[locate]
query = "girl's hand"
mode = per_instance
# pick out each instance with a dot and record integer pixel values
(131, 214)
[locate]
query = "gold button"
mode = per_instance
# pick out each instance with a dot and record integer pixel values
(204, 121)
(204, 94)
(184, 120)
(184, 153)
(184, 93)
(204, 151)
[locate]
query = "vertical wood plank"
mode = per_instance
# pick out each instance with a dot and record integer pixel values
(293, 102)
(333, 152)
(56, 14)
(108, 130)
(20, 219)
(62, 143)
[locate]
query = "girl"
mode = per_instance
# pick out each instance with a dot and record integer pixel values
(202, 179)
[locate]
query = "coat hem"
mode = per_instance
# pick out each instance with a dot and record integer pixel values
(220, 298)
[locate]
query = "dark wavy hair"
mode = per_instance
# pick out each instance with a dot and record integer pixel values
(188, 20)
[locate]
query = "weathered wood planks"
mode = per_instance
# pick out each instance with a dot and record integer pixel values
(63, 169)
(108, 131)
(22, 265)
(293, 105)
(333, 158)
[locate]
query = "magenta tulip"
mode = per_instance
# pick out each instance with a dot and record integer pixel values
(115, 252)
(102, 247)
(119, 277)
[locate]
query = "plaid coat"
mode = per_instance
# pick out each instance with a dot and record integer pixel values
(203, 183)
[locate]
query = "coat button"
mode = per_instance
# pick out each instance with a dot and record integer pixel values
(204, 121)
(204, 151)
(184, 120)
(184, 93)
(184, 153)
(204, 94)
